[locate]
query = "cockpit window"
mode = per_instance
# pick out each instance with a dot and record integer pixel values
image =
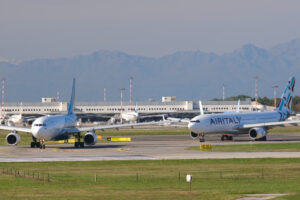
(40, 125)
(195, 121)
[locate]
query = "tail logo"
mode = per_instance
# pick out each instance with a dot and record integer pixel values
(287, 96)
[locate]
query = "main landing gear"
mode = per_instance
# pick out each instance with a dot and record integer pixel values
(262, 139)
(35, 144)
(78, 143)
(226, 137)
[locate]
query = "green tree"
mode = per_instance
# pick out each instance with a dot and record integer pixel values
(234, 98)
(266, 101)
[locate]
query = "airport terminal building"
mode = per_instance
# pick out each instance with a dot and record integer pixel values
(50, 106)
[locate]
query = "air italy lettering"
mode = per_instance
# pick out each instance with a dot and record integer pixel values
(225, 120)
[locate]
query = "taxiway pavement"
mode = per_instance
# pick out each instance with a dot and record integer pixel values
(143, 148)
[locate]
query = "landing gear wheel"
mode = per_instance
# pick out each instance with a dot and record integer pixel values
(35, 145)
(226, 137)
(223, 137)
(78, 143)
(262, 139)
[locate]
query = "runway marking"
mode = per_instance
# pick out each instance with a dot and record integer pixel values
(260, 196)
(55, 150)
(37, 150)
(126, 150)
(9, 155)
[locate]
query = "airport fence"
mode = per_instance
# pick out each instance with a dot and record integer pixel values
(37, 176)
(198, 175)
(150, 176)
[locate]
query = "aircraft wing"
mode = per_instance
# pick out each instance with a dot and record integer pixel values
(15, 128)
(270, 124)
(148, 116)
(30, 119)
(173, 119)
(178, 125)
(114, 126)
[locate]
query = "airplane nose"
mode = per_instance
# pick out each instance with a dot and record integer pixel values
(35, 132)
(191, 125)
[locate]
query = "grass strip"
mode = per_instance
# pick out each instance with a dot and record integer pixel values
(162, 179)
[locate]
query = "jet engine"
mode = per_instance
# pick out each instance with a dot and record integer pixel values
(194, 135)
(257, 133)
(13, 138)
(90, 138)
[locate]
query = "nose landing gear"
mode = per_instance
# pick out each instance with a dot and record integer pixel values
(36, 144)
(42, 146)
(201, 137)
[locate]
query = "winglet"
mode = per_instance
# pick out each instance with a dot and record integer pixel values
(72, 100)
(201, 108)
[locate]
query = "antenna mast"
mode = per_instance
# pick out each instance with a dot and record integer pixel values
(2, 107)
(275, 88)
(130, 92)
(121, 91)
(57, 95)
(104, 91)
(256, 88)
(223, 91)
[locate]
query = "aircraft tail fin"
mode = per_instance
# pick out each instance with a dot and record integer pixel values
(285, 103)
(136, 109)
(201, 108)
(72, 100)
(238, 106)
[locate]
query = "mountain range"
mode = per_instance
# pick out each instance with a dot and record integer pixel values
(188, 75)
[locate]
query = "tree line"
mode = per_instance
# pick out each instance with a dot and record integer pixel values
(263, 100)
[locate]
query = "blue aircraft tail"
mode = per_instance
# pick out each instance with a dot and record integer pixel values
(285, 103)
(72, 100)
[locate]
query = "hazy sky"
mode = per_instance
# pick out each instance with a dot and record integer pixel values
(59, 28)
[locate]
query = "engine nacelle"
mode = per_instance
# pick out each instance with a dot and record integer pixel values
(90, 138)
(257, 133)
(13, 138)
(194, 135)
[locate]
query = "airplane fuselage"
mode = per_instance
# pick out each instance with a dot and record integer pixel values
(228, 123)
(16, 118)
(51, 127)
(131, 116)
